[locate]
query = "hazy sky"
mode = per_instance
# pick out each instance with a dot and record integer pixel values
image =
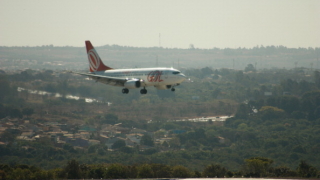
(204, 23)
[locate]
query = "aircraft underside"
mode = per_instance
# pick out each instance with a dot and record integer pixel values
(144, 90)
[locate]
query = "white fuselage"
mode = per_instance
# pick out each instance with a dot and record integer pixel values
(157, 77)
(160, 78)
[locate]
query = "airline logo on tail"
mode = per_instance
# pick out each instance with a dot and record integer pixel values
(94, 60)
(95, 63)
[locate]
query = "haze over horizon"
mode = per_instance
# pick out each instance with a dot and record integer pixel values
(171, 24)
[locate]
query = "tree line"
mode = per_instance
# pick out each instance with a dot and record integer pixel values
(252, 167)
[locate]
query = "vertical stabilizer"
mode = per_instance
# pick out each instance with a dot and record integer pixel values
(95, 63)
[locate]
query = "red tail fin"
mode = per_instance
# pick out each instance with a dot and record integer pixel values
(95, 63)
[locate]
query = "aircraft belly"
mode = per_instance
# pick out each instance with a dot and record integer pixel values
(108, 81)
(151, 83)
(162, 83)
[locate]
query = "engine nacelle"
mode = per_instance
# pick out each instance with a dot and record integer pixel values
(133, 84)
(163, 87)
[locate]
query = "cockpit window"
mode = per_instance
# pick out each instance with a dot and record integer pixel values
(175, 72)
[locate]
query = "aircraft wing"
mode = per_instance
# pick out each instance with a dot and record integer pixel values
(114, 81)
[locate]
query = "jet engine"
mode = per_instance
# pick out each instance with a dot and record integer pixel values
(133, 84)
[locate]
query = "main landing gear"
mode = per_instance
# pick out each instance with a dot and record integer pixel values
(173, 89)
(125, 91)
(143, 91)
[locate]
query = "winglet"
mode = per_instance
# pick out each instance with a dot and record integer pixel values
(95, 63)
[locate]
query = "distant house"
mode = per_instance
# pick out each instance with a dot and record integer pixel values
(87, 128)
(8, 124)
(135, 138)
(111, 141)
(130, 143)
(85, 135)
(55, 134)
(2, 143)
(286, 93)
(59, 142)
(2, 129)
(268, 93)
(162, 140)
(32, 127)
(221, 140)
(123, 130)
(79, 142)
(55, 128)
(46, 128)
(103, 138)
(14, 130)
(195, 97)
(42, 137)
(28, 134)
(93, 142)
(140, 131)
(177, 131)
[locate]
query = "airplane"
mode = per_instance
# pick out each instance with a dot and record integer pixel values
(160, 78)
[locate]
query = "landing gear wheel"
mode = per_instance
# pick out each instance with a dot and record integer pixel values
(143, 91)
(173, 89)
(125, 91)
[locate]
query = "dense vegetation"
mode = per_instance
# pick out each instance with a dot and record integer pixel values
(273, 134)
(253, 167)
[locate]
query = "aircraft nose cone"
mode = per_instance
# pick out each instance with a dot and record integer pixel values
(183, 77)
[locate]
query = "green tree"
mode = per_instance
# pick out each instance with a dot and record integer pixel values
(117, 171)
(317, 78)
(5, 89)
(95, 171)
(7, 136)
(306, 170)
(15, 113)
(284, 171)
(72, 170)
(206, 71)
(3, 174)
(270, 112)
(250, 67)
(109, 119)
(28, 111)
(257, 167)
(289, 103)
(214, 171)
(128, 150)
(146, 140)
(161, 170)
(20, 174)
(180, 172)
(145, 171)
(118, 144)
(175, 143)
(243, 111)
